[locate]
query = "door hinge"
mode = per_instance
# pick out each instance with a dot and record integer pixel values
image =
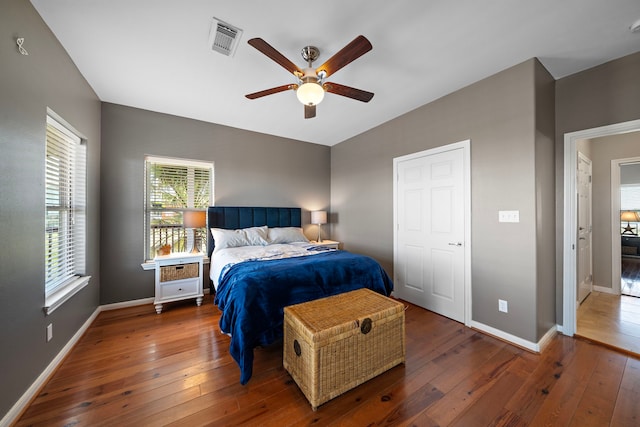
(589, 179)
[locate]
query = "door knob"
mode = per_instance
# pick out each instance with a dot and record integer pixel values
(455, 244)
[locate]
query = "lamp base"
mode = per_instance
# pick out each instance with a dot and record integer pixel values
(195, 249)
(629, 230)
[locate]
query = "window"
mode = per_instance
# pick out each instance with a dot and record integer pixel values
(65, 213)
(630, 197)
(630, 208)
(173, 186)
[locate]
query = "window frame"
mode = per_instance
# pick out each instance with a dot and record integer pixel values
(148, 256)
(65, 169)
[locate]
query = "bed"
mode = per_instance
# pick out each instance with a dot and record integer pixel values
(262, 264)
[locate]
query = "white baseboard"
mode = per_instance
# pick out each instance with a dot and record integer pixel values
(125, 304)
(11, 416)
(604, 290)
(546, 338)
(529, 345)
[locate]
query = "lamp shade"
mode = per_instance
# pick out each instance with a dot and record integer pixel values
(629, 216)
(194, 219)
(318, 217)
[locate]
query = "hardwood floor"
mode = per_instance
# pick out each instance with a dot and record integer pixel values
(630, 277)
(134, 367)
(612, 320)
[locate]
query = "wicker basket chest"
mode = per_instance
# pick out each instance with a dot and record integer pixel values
(334, 344)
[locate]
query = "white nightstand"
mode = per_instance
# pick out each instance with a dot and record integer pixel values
(178, 277)
(328, 243)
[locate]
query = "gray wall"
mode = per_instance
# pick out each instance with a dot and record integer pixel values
(28, 85)
(604, 150)
(545, 200)
(510, 143)
(600, 96)
(250, 169)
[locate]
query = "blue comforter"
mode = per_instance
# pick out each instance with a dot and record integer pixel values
(252, 295)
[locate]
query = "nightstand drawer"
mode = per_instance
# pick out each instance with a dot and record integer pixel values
(178, 272)
(178, 289)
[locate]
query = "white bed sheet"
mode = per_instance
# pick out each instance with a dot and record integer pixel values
(230, 256)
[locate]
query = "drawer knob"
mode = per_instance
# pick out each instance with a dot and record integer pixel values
(296, 348)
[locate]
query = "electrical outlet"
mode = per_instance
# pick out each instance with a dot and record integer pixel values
(49, 331)
(503, 306)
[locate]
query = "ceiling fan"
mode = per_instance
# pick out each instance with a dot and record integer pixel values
(311, 84)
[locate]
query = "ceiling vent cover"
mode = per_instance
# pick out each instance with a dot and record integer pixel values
(223, 37)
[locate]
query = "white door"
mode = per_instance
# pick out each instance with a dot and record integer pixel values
(584, 258)
(430, 231)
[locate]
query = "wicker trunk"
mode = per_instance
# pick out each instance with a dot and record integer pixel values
(334, 344)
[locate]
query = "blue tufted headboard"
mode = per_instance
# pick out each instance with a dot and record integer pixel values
(234, 217)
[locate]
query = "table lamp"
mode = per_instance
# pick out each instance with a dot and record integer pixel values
(319, 218)
(629, 216)
(193, 220)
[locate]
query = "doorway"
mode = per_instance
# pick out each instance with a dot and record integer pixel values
(570, 237)
(432, 236)
(629, 178)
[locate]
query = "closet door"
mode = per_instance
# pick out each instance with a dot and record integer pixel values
(430, 214)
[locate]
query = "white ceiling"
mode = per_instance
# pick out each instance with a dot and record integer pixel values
(154, 54)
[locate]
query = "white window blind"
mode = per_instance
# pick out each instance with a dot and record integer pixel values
(173, 186)
(65, 205)
(630, 197)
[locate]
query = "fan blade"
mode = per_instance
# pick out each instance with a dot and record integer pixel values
(354, 50)
(272, 53)
(309, 111)
(272, 91)
(349, 92)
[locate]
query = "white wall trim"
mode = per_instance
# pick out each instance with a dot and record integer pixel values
(569, 215)
(606, 290)
(529, 345)
(125, 304)
(466, 154)
(546, 338)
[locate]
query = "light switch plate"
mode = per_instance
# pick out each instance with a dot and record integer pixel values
(508, 216)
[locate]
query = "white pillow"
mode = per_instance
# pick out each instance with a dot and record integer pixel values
(286, 235)
(253, 236)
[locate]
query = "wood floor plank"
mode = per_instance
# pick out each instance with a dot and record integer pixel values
(490, 408)
(627, 409)
(134, 367)
(598, 401)
(611, 319)
(473, 387)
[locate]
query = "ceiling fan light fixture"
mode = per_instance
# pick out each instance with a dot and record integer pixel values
(310, 93)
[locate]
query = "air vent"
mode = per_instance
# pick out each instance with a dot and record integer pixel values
(223, 37)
